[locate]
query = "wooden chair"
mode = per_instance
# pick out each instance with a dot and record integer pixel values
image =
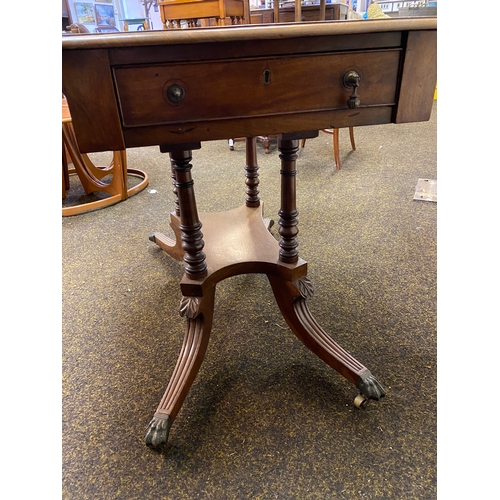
(91, 176)
(336, 153)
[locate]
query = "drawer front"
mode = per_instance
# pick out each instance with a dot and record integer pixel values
(206, 91)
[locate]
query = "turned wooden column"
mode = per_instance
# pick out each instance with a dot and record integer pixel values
(251, 173)
(288, 213)
(190, 225)
(174, 190)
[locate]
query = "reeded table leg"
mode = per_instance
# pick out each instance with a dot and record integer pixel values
(199, 315)
(292, 301)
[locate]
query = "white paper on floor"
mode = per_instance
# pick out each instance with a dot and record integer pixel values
(426, 190)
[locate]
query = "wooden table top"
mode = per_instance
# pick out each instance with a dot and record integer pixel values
(123, 101)
(247, 32)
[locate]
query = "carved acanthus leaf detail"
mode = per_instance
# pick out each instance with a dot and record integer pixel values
(305, 287)
(189, 307)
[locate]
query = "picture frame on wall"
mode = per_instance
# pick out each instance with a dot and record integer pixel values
(105, 15)
(85, 12)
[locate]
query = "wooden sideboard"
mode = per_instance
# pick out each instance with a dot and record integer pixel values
(229, 12)
(333, 12)
(220, 12)
(177, 88)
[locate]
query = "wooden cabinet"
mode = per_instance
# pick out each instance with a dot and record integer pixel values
(207, 11)
(220, 11)
(334, 11)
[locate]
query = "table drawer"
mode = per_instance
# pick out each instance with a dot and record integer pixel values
(215, 90)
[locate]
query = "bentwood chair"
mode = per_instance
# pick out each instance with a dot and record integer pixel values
(94, 178)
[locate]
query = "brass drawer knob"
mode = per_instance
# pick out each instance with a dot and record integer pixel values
(352, 80)
(175, 93)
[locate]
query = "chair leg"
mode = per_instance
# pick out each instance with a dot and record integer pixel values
(265, 141)
(336, 149)
(336, 154)
(233, 140)
(65, 172)
(351, 135)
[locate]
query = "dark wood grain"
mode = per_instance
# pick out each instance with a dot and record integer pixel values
(419, 77)
(87, 79)
(210, 87)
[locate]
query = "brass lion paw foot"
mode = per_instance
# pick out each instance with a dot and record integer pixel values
(370, 388)
(158, 430)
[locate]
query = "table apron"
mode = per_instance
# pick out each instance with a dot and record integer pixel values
(254, 126)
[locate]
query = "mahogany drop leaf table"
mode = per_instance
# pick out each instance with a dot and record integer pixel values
(178, 88)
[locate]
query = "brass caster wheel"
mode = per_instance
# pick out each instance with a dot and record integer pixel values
(361, 401)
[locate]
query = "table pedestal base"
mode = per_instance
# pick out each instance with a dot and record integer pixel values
(238, 242)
